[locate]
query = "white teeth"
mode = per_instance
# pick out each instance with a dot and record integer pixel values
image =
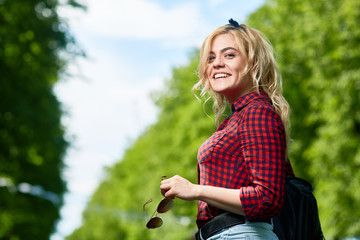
(220, 75)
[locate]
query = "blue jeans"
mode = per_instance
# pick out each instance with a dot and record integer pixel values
(246, 231)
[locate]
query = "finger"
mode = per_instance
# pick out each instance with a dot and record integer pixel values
(167, 190)
(164, 190)
(169, 194)
(164, 187)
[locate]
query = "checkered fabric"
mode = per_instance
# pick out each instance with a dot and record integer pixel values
(246, 152)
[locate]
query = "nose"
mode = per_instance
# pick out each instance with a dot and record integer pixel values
(218, 62)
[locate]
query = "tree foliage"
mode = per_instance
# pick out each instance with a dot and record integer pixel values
(168, 147)
(317, 45)
(32, 144)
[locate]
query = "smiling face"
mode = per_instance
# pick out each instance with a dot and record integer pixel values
(225, 68)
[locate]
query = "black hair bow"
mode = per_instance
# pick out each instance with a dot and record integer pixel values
(235, 24)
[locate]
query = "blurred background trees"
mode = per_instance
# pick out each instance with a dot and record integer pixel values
(168, 147)
(32, 143)
(318, 49)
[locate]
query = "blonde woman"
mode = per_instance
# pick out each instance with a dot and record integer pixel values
(242, 167)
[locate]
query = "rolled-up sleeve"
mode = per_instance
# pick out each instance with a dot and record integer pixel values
(263, 142)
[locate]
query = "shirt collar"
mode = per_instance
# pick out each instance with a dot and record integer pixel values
(246, 99)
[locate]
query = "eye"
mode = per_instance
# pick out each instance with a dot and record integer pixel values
(230, 55)
(211, 58)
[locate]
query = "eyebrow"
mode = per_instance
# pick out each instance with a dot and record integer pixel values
(224, 50)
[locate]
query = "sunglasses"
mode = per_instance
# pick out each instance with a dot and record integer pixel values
(164, 206)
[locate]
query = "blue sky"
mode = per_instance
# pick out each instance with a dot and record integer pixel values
(132, 47)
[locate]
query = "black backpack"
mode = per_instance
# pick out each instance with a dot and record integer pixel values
(299, 217)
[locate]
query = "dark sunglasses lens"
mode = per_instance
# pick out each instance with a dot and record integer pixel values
(165, 205)
(154, 222)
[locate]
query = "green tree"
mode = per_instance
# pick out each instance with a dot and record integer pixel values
(168, 147)
(32, 144)
(318, 45)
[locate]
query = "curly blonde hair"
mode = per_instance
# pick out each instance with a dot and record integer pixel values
(261, 66)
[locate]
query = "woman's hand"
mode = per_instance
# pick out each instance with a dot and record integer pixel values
(179, 187)
(226, 199)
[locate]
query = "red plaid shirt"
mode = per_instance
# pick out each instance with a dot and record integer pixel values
(246, 152)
